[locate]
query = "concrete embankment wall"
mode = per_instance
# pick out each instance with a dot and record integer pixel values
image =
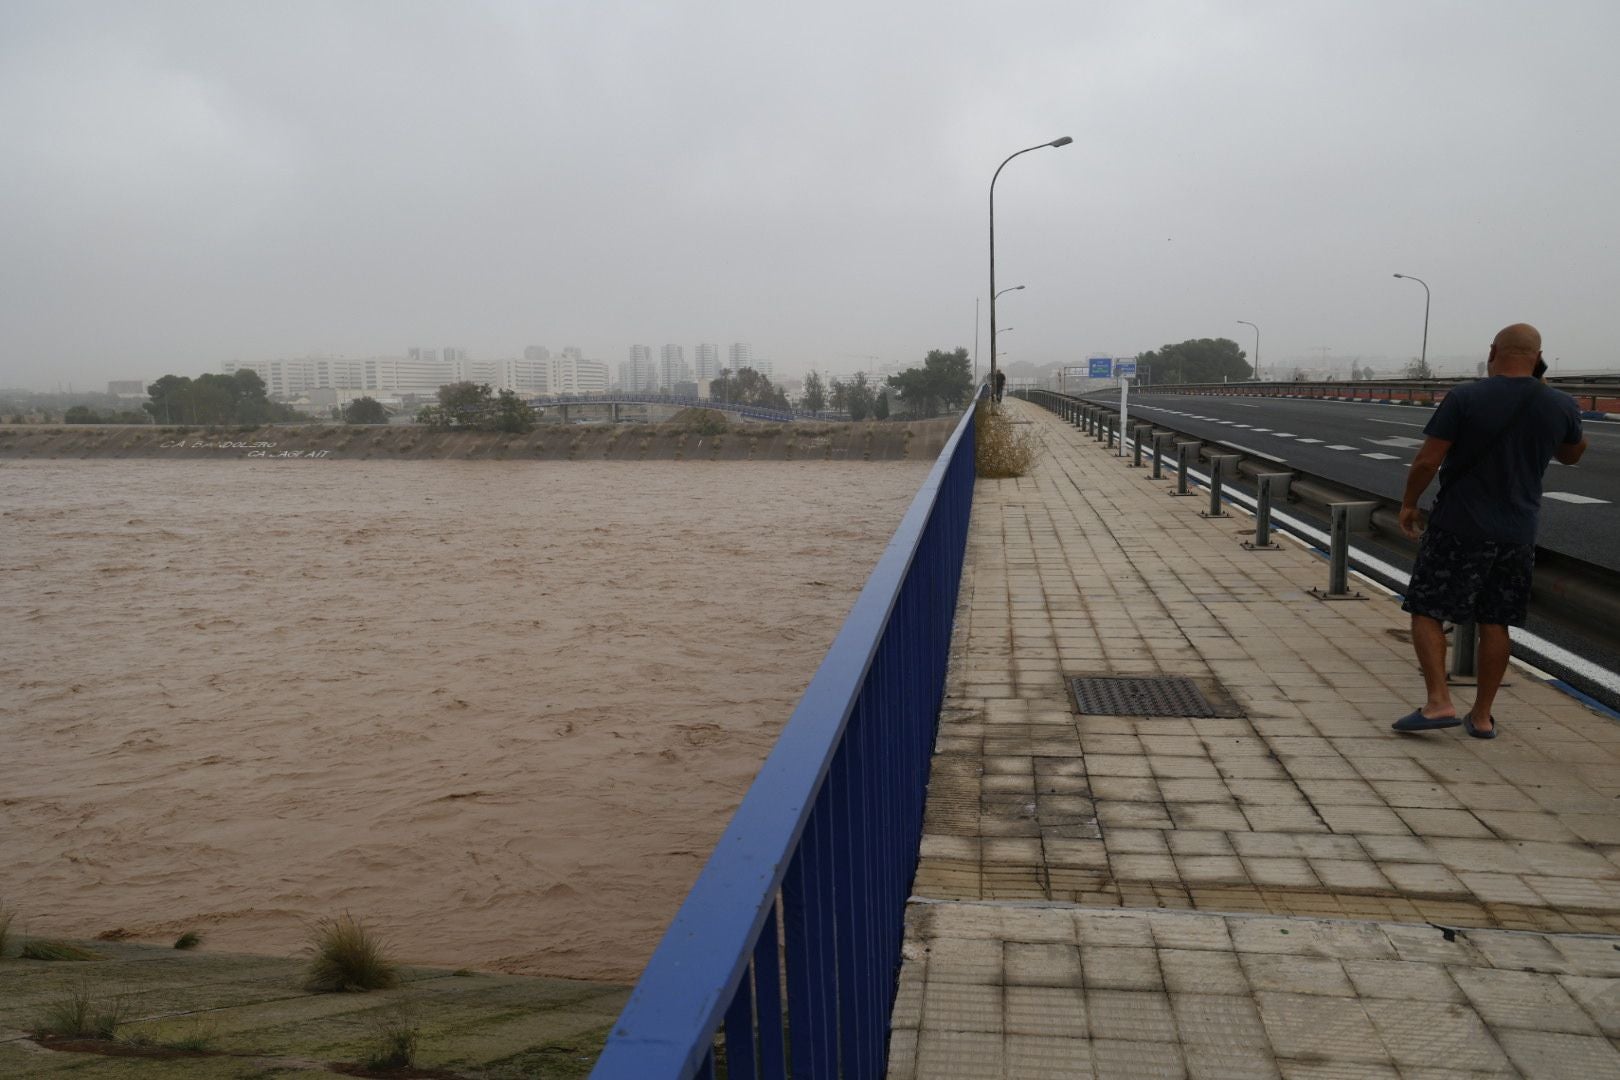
(888, 441)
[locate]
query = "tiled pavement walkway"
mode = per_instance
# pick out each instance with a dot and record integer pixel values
(1294, 892)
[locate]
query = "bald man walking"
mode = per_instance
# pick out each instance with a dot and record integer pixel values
(1490, 441)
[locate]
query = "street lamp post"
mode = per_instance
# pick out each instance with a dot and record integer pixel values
(1423, 359)
(1246, 322)
(1064, 141)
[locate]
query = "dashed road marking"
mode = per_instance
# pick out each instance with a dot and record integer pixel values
(1381, 457)
(1571, 497)
(1305, 440)
(1338, 446)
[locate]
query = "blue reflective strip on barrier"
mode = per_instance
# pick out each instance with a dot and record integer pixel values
(821, 807)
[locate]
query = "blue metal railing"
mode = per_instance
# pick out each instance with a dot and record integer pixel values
(790, 939)
(752, 412)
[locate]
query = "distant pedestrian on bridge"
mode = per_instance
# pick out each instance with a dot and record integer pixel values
(1490, 441)
(1001, 383)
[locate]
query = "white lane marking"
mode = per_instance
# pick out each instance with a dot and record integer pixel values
(1262, 429)
(1338, 446)
(1570, 497)
(1381, 457)
(1305, 440)
(1283, 434)
(1257, 453)
(1241, 425)
(1397, 423)
(1402, 441)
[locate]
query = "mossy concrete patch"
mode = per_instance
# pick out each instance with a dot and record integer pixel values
(254, 1018)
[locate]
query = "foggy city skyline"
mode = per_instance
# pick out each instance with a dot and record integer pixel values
(196, 184)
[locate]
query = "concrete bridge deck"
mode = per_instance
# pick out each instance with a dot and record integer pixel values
(1292, 892)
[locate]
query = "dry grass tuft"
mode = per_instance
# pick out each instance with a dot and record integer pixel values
(1003, 450)
(80, 1016)
(55, 950)
(6, 916)
(188, 940)
(394, 1047)
(348, 958)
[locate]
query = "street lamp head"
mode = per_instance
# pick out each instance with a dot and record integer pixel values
(1065, 141)
(1015, 288)
(1400, 275)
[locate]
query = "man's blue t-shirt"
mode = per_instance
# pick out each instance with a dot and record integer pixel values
(1500, 497)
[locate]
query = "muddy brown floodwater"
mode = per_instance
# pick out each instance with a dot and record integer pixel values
(501, 711)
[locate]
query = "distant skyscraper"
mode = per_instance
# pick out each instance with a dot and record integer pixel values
(708, 361)
(571, 373)
(740, 355)
(638, 374)
(536, 354)
(672, 367)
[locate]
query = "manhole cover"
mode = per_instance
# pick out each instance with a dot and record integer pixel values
(1159, 695)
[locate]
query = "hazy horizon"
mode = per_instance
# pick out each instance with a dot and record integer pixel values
(200, 183)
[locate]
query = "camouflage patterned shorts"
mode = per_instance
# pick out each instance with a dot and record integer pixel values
(1456, 579)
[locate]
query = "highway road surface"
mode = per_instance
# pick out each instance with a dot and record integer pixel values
(1370, 446)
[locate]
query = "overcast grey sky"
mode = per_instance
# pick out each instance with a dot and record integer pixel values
(187, 183)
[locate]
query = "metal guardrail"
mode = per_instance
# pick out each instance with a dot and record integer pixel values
(1575, 596)
(789, 941)
(1594, 397)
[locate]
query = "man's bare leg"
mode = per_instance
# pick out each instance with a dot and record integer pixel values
(1429, 641)
(1494, 648)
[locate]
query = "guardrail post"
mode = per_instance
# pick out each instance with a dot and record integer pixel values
(1097, 424)
(1218, 465)
(1264, 486)
(1463, 650)
(1113, 428)
(1142, 432)
(1159, 440)
(1346, 517)
(1184, 453)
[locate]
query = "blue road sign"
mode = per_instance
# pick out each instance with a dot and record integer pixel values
(1125, 369)
(1101, 367)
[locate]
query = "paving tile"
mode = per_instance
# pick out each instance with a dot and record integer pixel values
(1281, 873)
(1172, 931)
(1189, 971)
(1598, 996)
(961, 1007)
(1433, 823)
(1349, 874)
(1108, 928)
(1198, 842)
(959, 1055)
(1046, 1010)
(1229, 1020)
(1123, 1059)
(1042, 964)
(1125, 1014)
(1296, 975)
(1550, 1055)
(1345, 1070)
(1402, 980)
(1206, 1062)
(1119, 968)
(1048, 1057)
(1434, 1034)
(1307, 1026)
(1374, 820)
(1522, 999)
(1423, 879)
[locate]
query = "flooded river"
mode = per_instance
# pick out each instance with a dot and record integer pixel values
(499, 710)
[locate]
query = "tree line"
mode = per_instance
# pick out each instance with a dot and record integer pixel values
(214, 399)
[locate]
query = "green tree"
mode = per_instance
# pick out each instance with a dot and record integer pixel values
(880, 407)
(815, 394)
(747, 387)
(945, 380)
(365, 410)
(466, 404)
(1419, 369)
(1197, 360)
(512, 413)
(167, 399)
(81, 414)
(858, 400)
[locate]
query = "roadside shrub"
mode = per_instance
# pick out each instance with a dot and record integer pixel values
(1002, 451)
(395, 1043)
(188, 940)
(6, 916)
(348, 958)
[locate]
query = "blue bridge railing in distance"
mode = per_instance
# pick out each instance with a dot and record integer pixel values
(785, 954)
(752, 412)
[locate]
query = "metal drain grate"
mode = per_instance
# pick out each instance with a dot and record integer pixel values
(1159, 695)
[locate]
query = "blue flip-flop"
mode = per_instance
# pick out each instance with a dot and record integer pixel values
(1468, 724)
(1415, 721)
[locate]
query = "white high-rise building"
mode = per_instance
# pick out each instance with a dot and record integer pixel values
(672, 367)
(638, 375)
(526, 376)
(571, 373)
(739, 356)
(707, 359)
